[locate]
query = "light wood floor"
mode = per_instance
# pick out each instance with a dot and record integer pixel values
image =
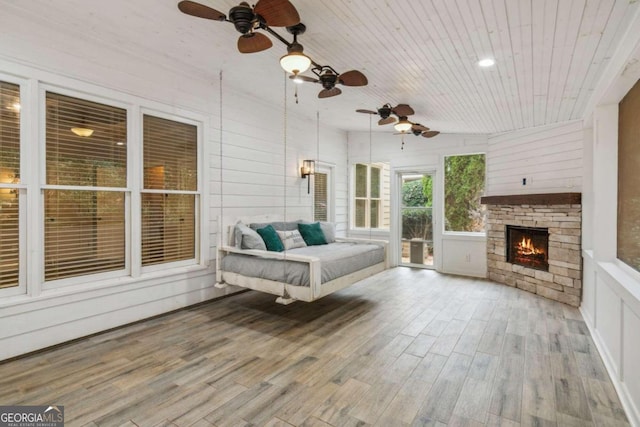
(407, 347)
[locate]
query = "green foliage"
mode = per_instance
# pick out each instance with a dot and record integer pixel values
(413, 194)
(427, 189)
(464, 184)
(418, 192)
(416, 223)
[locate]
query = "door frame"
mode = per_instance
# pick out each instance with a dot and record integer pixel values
(395, 237)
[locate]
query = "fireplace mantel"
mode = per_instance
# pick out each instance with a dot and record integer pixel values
(534, 199)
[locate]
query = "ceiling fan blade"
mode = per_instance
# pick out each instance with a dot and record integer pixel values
(353, 78)
(366, 111)
(403, 110)
(304, 78)
(277, 13)
(326, 93)
(200, 10)
(430, 134)
(387, 121)
(418, 127)
(253, 42)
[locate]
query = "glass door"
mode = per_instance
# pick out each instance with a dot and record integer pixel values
(416, 220)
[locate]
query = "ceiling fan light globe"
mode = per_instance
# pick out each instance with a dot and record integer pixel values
(402, 126)
(295, 63)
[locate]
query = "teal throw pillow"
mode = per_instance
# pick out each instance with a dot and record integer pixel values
(312, 234)
(271, 239)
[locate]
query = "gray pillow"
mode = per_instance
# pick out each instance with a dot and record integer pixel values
(328, 229)
(246, 238)
(278, 225)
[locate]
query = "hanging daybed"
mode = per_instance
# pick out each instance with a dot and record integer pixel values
(302, 271)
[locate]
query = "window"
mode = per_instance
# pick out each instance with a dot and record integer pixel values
(320, 197)
(169, 197)
(371, 207)
(85, 191)
(9, 177)
(101, 216)
(464, 178)
(628, 236)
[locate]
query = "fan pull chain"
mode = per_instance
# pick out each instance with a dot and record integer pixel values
(296, 93)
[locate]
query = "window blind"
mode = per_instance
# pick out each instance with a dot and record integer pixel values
(84, 224)
(170, 164)
(9, 174)
(320, 197)
(71, 159)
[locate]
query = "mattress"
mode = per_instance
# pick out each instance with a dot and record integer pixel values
(336, 260)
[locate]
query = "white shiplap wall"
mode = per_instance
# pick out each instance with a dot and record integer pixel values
(550, 158)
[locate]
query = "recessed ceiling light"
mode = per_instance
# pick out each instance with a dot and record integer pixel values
(487, 62)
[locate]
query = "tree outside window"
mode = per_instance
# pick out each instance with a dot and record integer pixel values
(464, 179)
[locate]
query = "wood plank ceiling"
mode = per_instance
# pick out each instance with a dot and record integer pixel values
(549, 53)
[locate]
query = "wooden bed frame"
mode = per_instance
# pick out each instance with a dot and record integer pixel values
(286, 293)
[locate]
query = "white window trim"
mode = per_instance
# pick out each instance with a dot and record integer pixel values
(368, 198)
(88, 279)
(137, 220)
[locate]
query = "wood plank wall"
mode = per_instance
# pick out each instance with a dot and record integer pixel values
(550, 158)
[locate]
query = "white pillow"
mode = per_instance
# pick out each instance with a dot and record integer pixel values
(291, 239)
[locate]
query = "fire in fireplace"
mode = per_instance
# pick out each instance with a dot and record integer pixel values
(528, 246)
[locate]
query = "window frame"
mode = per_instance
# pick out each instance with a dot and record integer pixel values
(26, 116)
(444, 231)
(368, 197)
(328, 170)
(127, 190)
(136, 109)
(197, 259)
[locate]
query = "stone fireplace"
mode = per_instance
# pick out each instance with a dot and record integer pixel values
(533, 243)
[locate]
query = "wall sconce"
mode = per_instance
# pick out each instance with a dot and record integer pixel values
(308, 168)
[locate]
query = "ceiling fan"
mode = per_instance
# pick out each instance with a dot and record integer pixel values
(328, 78)
(385, 112)
(277, 13)
(265, 14)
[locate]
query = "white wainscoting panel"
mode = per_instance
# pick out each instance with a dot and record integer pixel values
(464, 255)
(631, 357)
(609, 320)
